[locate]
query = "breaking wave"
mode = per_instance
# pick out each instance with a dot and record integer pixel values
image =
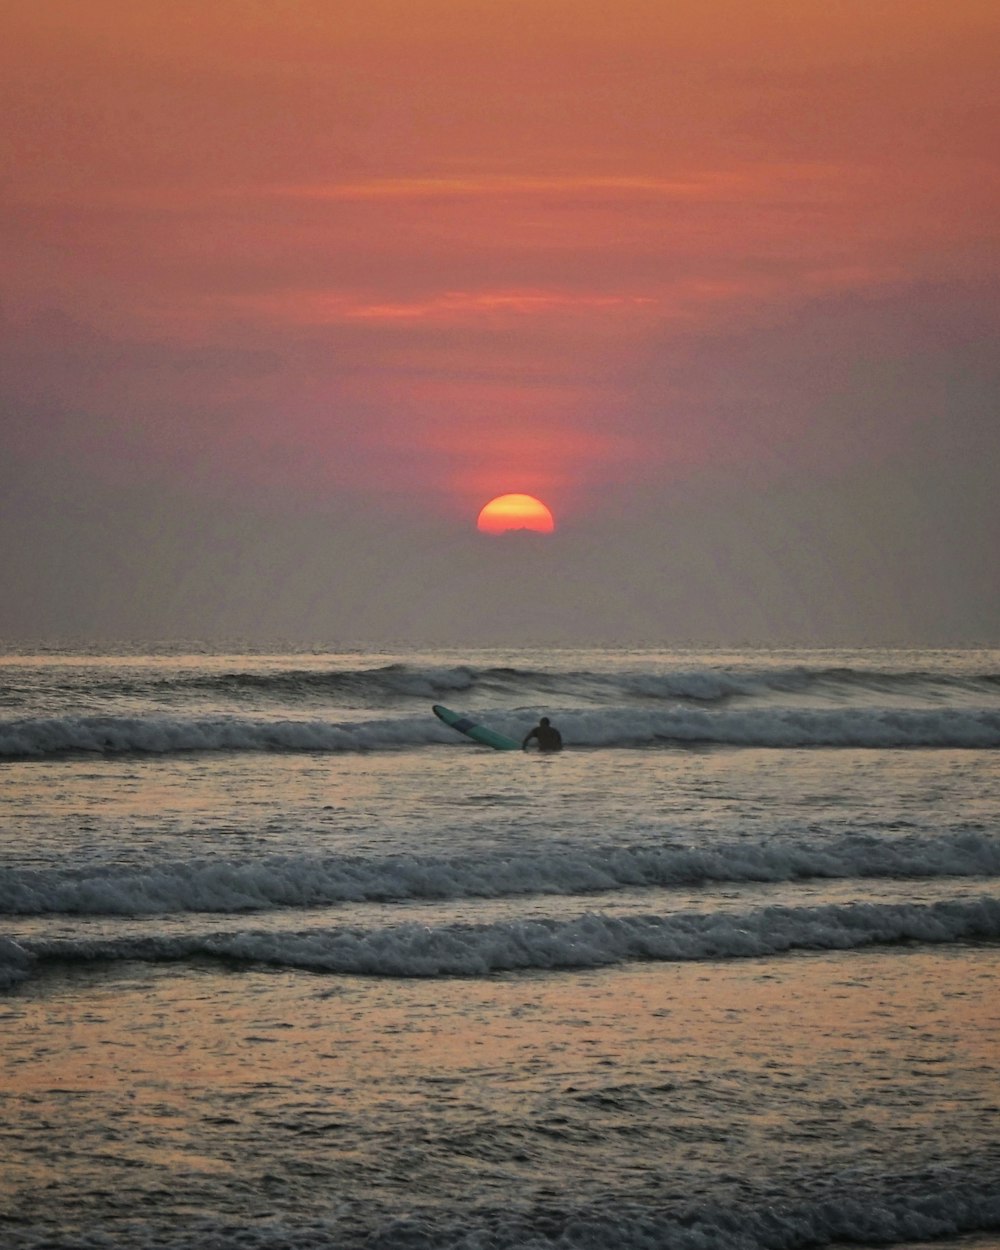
(611, 727)
(592, 940)
(837, 1211)
(219, 885)
(699, 682)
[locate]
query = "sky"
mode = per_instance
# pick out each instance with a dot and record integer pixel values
(292, 288)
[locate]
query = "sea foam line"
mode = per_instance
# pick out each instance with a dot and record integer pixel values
(942, 1207)
(610, 727)
(220, 885)
(922, 1208)
(699, 682)
(592, 940)
(899, 1210)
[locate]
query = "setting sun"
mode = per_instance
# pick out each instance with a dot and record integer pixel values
(515, 512)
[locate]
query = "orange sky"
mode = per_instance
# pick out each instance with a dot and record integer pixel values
(439, 250)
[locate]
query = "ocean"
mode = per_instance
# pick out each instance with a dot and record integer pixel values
(286, 962)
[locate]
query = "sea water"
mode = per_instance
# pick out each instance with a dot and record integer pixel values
(287, 962)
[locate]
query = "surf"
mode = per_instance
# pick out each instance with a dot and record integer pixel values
(591, 940)
(769, 727)
(226, 885)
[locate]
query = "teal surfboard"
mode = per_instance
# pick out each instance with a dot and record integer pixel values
(478, 733)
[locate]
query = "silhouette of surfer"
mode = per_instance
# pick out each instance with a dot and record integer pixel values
(546, 735)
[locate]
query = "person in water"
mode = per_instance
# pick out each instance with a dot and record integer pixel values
(547, 736)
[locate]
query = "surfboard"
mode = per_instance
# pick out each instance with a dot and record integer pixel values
(478, 733)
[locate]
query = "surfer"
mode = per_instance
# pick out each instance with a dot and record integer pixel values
(546, 735)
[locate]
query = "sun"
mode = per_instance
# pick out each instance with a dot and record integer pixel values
(515, 512)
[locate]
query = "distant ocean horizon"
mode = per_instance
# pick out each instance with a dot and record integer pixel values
(285, 961)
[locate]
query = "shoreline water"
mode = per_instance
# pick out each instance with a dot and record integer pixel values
(487, 1089)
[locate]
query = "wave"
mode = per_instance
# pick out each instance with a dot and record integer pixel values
(924, 1207)
(699, 683)
(366, 685)
(592, 940)
(161, 735)
(612, 727)
(406, 681)
(218, 885)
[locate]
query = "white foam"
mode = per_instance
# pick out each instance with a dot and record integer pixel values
(889, 1210)
(703, 683)
(221, 885)
(588, 941)
(165, 734)
(787, 727)
(611, 727)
